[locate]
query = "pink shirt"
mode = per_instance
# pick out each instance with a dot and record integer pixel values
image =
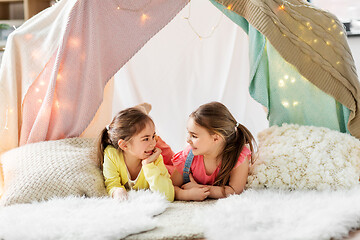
(198, 168)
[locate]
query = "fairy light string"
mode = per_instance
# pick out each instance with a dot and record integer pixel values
(209, 35)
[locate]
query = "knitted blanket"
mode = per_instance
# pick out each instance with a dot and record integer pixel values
(312, 40)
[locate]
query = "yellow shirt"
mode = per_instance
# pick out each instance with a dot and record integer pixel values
(153, 175)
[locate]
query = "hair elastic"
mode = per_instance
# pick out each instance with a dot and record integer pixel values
(236, 126)
(107, 127)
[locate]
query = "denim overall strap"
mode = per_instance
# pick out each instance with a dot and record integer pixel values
(186, 170)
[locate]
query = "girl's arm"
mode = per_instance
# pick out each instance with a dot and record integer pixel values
(158, 178)
(166, 150)
(111, 172)
(237, 182)
(196, 193)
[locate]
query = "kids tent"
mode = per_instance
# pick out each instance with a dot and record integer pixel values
(57, 72)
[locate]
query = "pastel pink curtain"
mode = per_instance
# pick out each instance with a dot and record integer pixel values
(100, 37)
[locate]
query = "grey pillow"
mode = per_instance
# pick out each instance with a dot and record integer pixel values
(59, 168)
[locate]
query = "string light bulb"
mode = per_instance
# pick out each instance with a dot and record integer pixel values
(281, 83)
(285, 104)
(6, 119)
(144, 17)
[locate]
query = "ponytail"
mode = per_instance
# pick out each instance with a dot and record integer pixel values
(103, 142)
(233, 148)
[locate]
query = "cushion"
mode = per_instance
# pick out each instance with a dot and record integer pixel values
(305, 157)
(59, 168)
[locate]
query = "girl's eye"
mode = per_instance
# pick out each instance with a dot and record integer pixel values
(193, 136)
(146, 139)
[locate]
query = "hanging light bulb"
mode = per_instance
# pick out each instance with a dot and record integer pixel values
(281, 83)
(285, 104)
(144, 17)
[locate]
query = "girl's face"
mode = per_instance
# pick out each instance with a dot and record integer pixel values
(142, 144)
(200, 140)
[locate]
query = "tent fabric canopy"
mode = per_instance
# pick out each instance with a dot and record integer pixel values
(78, 55)
(292, 96)
(310, 39)
(63, 57)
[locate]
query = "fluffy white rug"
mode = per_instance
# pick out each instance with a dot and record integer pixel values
(280, 215)
(175, 222)
(253, 215)
(82, 218)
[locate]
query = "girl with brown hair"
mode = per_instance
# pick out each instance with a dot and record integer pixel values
(129, 156)
(217, 160)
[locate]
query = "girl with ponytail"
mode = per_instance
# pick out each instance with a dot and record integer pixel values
(217, 160)
(130, 155)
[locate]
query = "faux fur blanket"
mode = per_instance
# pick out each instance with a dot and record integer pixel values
(253, 215)
(82, 218)
(282, 215)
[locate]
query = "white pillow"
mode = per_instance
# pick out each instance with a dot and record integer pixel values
(60, 168)
(305, 157)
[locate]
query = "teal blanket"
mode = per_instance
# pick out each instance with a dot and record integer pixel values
(278, 86)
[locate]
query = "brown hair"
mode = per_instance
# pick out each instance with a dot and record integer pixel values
(217, 119)
(124, 125)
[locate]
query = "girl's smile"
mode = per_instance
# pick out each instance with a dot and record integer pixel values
(142, 145)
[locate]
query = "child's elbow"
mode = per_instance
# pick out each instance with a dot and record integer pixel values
(232, 190)
(239, 191)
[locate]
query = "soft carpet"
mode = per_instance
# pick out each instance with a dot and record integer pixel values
(282, 215)
(176, 222)
(253, 215)
(81, 218)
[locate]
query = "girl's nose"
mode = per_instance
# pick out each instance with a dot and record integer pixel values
(188, 140)
(153, 143)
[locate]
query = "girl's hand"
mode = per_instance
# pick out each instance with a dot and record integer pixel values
(190, 184)
(152, 157)
(198, 193)
(120, 194)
